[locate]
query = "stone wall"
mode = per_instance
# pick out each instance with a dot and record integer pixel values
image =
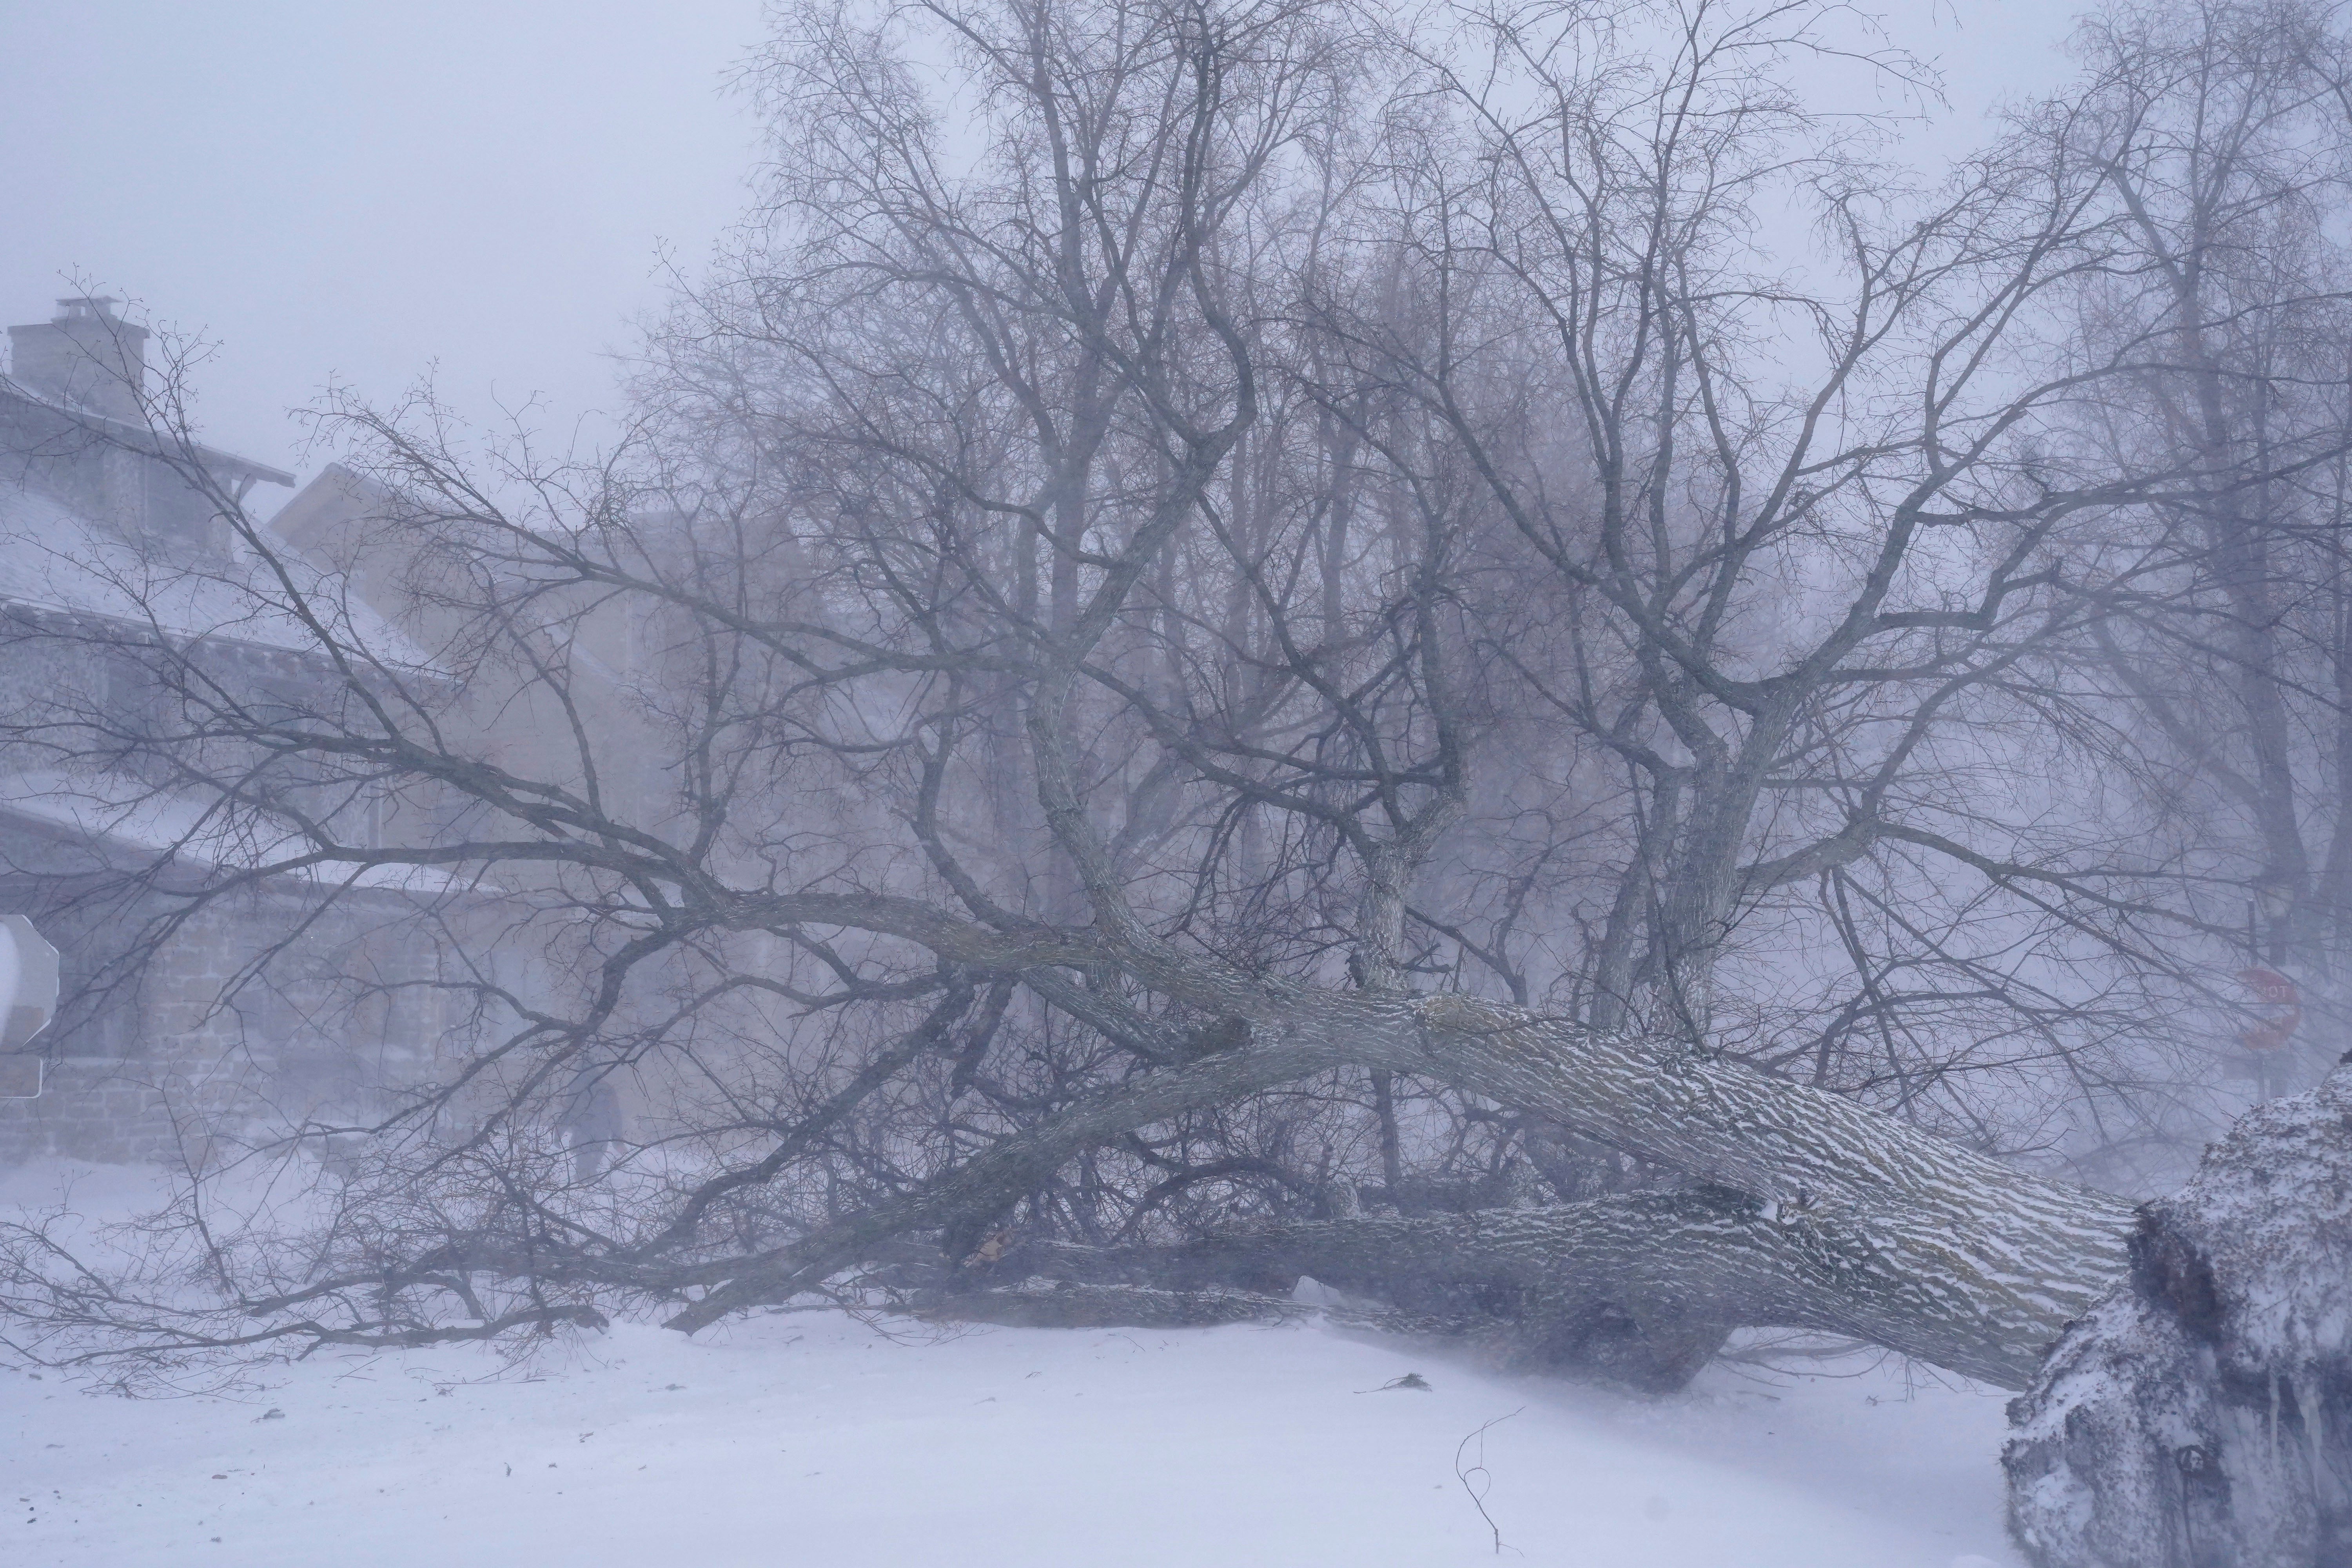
(170, 1058)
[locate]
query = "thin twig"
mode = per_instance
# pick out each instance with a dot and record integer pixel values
(1478, 1488)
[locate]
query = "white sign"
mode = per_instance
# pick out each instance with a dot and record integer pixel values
(28, 1000)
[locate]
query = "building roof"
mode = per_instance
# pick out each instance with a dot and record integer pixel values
(103, 808)
(53, 557)
(136, 436)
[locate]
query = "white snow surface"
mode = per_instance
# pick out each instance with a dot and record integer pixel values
(811, 1439)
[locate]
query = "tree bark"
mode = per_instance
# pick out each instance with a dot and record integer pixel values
(1952, 1257)
(1850, 1220)
(1639, 1289)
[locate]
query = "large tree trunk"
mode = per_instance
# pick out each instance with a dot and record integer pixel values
(1962, 1260)
(1639, 1289)
(1846, 1218)
(2200, 1415)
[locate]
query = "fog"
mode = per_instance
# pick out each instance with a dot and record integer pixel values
(363, 191)
(489, 193)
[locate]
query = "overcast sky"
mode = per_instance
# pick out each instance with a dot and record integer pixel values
(332, 189)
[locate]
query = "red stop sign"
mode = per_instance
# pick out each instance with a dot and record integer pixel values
(2278, 1005)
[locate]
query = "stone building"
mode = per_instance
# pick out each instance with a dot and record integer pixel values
(114, 542)
(563, 691)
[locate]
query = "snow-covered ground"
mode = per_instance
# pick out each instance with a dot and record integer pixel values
(809, 1438)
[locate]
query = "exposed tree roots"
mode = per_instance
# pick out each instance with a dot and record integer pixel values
(2200, 1415)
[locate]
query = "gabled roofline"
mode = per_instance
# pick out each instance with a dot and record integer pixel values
(46, 616)
(131, 434)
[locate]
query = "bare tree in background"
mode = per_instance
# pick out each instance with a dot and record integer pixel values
(2219, 132)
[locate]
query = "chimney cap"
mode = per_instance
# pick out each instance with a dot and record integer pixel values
(88, 308)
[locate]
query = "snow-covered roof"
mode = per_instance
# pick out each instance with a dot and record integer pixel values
(137, 436)
(53, 557)
(192, 826)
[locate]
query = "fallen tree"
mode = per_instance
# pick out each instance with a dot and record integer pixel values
(1820, 1210)
(1639, 1290)
(1239, 644)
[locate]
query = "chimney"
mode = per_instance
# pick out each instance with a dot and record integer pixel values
(86, 354)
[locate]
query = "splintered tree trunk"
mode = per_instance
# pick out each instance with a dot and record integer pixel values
(2200, 1415)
